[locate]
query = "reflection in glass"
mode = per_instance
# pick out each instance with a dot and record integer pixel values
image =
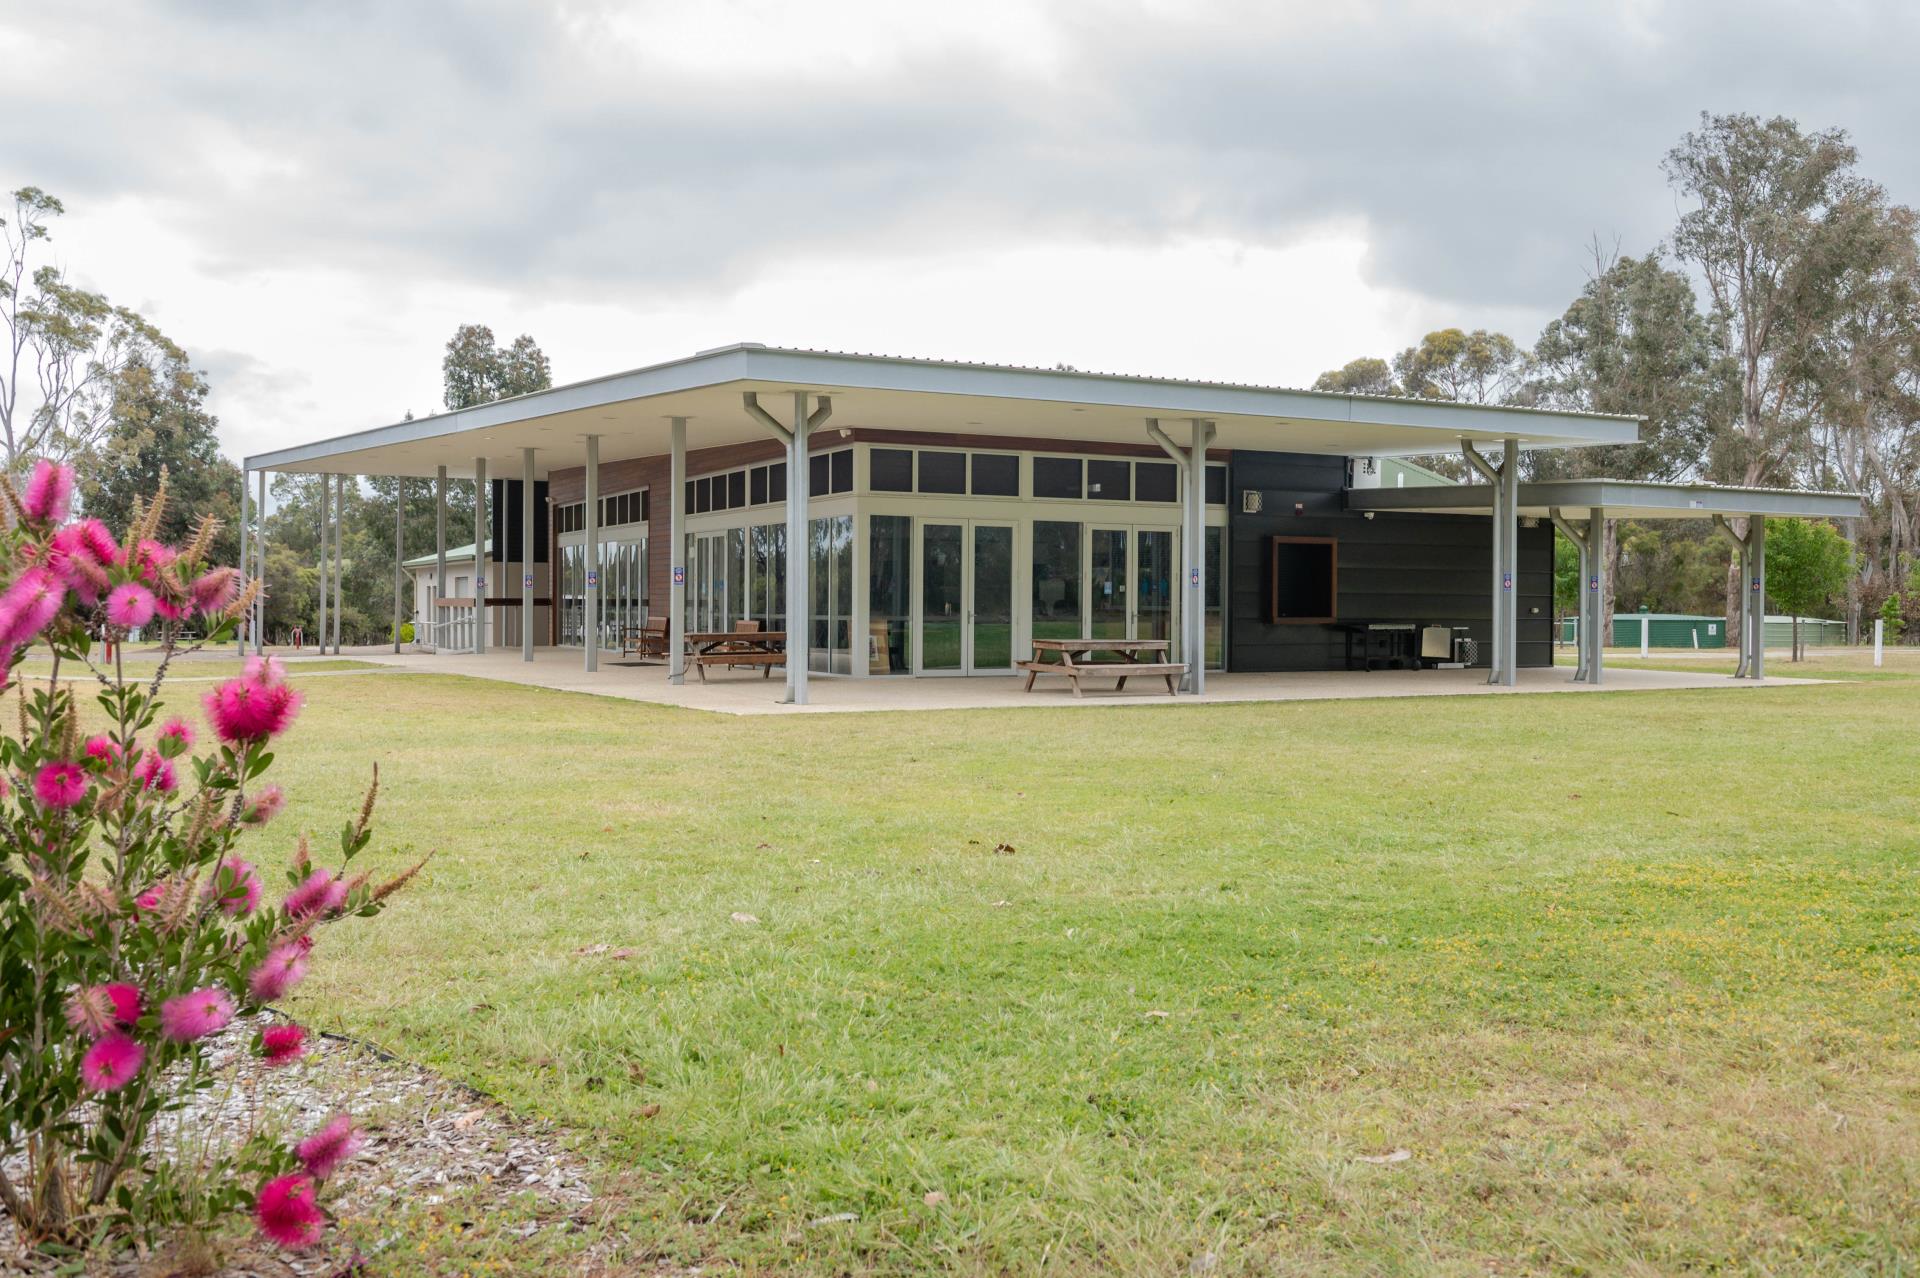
(992, 597)
(1108, 577)
(1156, 571)
(889, 592)
(1056, 580)
(1216, 601)
(940, 596)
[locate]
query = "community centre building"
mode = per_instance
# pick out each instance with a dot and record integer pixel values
(956, 519)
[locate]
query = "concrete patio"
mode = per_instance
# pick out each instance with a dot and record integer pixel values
(747, 692)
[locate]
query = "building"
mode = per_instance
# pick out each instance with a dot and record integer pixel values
(954, 513)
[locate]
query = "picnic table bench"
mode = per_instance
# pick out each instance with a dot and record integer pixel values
(763, 648)
(1074, 661)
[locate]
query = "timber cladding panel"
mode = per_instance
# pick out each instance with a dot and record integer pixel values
(1427, 569)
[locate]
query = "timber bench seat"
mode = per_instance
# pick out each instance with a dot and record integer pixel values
(1073, 661)
(763, 648)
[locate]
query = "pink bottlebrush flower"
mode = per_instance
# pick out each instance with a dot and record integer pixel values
(214, 589)
(236, 887)
(264, 806)
(153, 897)
(6, 786)
(286, 1213)
(60, 785)
(195, 1015)
(284, 967)
(321, 893)
(167, 609)
(103, 750)
(175, 737)
(126, 1002)
(248, 710)
(29, 606)
(130, 604)
(101, 1009)
(49, 494)
(73, 553)
(148, 558)
(327, 1148)
(156, 773)
(110, 1062)
(282, 1044)
(266, 670)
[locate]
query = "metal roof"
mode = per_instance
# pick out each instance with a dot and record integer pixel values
(629, 411)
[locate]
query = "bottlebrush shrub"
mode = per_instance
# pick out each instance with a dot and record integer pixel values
(131, 929)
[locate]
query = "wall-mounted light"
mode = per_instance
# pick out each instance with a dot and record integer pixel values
(1250, 501)
(1368, 515)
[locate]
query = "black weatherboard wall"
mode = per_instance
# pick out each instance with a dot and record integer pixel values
(1428, 569)
(504, 504)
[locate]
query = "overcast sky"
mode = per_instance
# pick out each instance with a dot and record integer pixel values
(310, 197)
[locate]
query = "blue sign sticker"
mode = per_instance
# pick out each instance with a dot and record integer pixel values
(1593, 582)
(1506, 581)
(1196, 577)
(526, 581)
(1756, 584)
(679, 576)
(593, 579)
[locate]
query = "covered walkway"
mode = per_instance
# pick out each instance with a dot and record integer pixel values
(746, 693)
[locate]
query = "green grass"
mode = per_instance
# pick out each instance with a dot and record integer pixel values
(1854, 663)
(1634, 978)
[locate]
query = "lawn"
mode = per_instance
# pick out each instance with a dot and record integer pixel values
(1632, 979)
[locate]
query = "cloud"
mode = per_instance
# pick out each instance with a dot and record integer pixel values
(605, 153)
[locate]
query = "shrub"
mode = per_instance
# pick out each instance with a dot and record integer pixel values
(406, 632)
(130, 927)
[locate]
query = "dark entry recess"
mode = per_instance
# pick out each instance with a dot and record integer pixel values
(1305, 580)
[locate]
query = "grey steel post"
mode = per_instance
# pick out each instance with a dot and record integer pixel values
(326, 496)
(479, 555)
(1757, 587)
(1496, 489)
(591, 626)
(439, 556)
(259, 623)
(676, 556)
(1595, 597)
(1580, 544)
(1510, 524)
(241, 627)
(399, 552)
(526, 554)
(1195, 556)
(339, 555)
(799, 601)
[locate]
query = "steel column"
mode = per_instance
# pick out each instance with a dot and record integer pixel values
(326, 495)
(259, 623)
(399, 552)
(799, 600)
(439, 557)
(1497, 490)
(590, 626)
(1579, 542)
(676, 555)
(526, 554)
(339, 554)
(1510, 523)
(242, 625)
(1195, 566)
(1757, 587)
(1594, 597)
(479, 555)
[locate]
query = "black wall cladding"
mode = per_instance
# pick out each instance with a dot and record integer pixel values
(1428, 569)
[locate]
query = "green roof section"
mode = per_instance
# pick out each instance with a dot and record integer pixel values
(453, 553)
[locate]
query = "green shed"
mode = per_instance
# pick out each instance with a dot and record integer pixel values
(1688, 630)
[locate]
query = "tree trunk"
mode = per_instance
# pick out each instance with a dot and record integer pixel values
(1795, 647)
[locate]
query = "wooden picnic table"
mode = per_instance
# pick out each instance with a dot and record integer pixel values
(763, 648)
(1075, 661)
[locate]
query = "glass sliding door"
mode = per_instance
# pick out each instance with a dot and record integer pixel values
(889, 593)
(942, 596)
(1216, 600)
(1056, 580)
(990, 611)
(1153, 573)
(1107, 575)
(831, 585)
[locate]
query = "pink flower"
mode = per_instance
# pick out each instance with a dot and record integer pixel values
(195, 1015)
(245, 709)
(264, 806)
(49, 493)
(281, 1044)
(236, 887)
(130, 605)
(214, 589)
(103, 750)
(322, 893)
(110, 1062)
(175, 737)
(284, 967)
(327, 1148)
(29, 605)
(153, 897)
(80, 553)
(148, 558)
(286, 1213)
(100, 1009)
(264, 670)
(60, 785)
(155, 773)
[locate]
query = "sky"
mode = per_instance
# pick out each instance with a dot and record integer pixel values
(311, 197)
